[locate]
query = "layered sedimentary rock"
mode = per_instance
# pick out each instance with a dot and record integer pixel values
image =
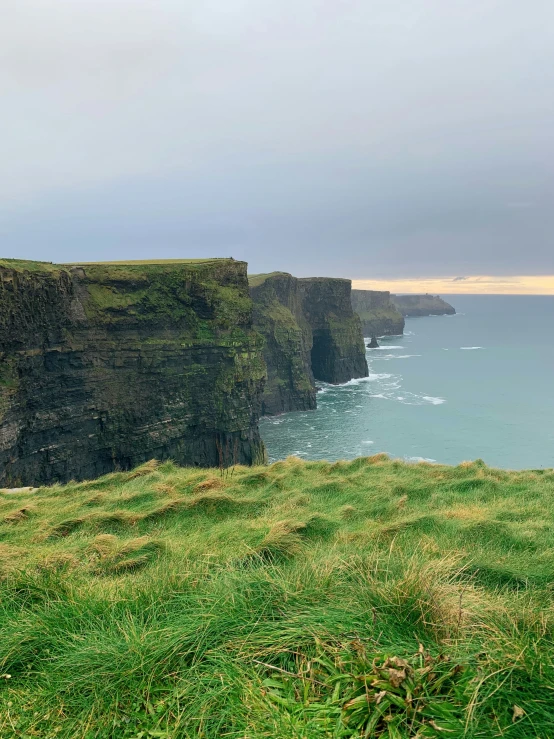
(310, 332)
(278, 316)
(377, 312)
(104, 366)
(338, 351)
(422, 305)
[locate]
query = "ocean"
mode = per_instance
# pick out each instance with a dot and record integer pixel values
(475, 385)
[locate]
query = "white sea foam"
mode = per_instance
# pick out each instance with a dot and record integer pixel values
(388, 346)
(386, 357)
(432, 400)
(368, 442)
(415, 399)
(372, 377)
(406, 398)
(419, 459)
(470, 348)
(379, 376)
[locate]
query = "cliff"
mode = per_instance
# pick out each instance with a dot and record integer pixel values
(377, 312)
(310, 332)
(288, 337)
(104, 366)
(422, 305)
(338, 351)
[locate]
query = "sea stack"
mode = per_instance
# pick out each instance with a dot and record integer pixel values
(373, 344)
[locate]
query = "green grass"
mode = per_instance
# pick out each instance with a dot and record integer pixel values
(154, 261)
(259, 279)
(358, 599)
(34, 266)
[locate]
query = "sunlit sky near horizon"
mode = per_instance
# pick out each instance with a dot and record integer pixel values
(474, 285)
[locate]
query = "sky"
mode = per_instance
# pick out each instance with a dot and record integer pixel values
(377, 140)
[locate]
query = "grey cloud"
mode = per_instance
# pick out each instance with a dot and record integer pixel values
(362, 137)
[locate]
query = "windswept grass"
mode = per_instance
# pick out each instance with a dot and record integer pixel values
(357, 599)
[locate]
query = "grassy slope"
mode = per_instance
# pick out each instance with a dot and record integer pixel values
(365, 598)
(257, 280)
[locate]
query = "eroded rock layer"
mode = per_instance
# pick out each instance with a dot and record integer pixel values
(338, 351)
(311, 333)
(377, 312)
(104, 366)
(278, 316)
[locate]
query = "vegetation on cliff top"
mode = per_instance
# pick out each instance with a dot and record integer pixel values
(367, 598)
(167, 290)
(34, 266)
(257, 280)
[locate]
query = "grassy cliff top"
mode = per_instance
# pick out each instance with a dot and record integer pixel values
(257, 280)
(304, 599)
(34, 266)
(131, 262)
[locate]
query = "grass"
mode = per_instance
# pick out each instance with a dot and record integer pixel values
(306, 599)
(259, 279)
(34, 266)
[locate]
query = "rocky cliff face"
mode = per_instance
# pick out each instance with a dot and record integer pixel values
(106, 366)
(279, 317)
(338, 351)
(310, 331)
(422, 305)
(377, 312)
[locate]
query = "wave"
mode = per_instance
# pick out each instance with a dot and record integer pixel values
(419, 459)
(432, 400)
(397, 356)
(470, 348)
(388, 346)
(325, 387)
(406, 398)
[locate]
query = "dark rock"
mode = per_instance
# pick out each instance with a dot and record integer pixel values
(288, 337)
(338, 352)
(105, 366)
(373, 344)
(310, 332)
(422, 305)
(378, 314)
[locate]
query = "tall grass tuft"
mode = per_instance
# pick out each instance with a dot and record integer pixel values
(302, 600)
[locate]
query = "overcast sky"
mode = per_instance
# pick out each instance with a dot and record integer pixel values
(360, 138)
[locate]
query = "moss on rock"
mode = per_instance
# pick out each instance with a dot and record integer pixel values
(310, 332)
(279, 318)
(103, 366)
(377, 312)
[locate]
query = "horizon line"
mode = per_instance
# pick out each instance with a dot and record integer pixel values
(465, 285)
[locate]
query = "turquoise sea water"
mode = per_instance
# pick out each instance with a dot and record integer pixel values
(479, 384)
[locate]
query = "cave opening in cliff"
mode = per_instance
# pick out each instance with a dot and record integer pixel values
(320, 356)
